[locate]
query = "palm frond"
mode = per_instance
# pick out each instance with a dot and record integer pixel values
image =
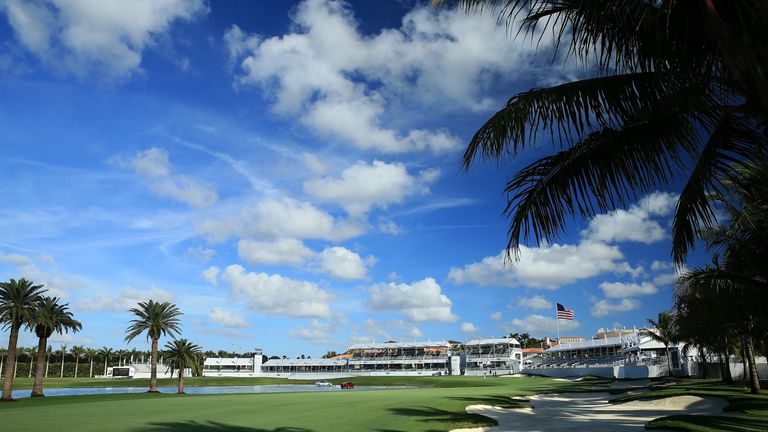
(600, 173)
(731, 142)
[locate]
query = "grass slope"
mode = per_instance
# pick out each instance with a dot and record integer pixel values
(439, 408)
(745, 411)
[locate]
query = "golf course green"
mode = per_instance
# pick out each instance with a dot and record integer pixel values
(441, 407)
(438, 404)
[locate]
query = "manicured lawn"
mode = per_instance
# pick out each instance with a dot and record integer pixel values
(439, 408)
(745, 412)
(427, 381)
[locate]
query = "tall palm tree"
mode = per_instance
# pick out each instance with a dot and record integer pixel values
(50, 317)
(740, 278)
(48, 353)
(664, 330)
(18, 299)
(29, 352)
(120, 355)
(156, 319)
(678, 89)
(77, 351)
(91, 354)
(63, 351)
(105, 352)
(181, 354)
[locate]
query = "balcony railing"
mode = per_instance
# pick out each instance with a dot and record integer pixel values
(440, 358)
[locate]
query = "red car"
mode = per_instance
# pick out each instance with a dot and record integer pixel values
(347, 385)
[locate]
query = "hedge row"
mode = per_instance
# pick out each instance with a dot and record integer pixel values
(54, 369)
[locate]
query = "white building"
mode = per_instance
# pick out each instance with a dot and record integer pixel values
(233, 367)
(306, 368)
(501, 356)
(401, 358)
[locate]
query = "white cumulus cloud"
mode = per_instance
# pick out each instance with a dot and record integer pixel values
(342, 263)
(535, 302)
(363, 186)
(622, 289)
(419, 301)
(317, 331)
(211, 274)
(341, 83)
(469, 328)
(636, 223)
(275, 218)
(227, 319)
(280, 251)
(602, 308)
(548, 267)
(100, 38)
(154, 167)
(277, 295)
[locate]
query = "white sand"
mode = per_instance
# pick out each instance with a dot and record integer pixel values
(570, 412)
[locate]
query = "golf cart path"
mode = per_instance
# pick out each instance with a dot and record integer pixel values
(570, 412)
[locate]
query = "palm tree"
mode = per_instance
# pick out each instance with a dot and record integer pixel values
(664, 102)
(77, 351)
(181, 354)
(91, 354)
(3, 353)
(107, 353)
(63, 351)
(156, 319)
(30, 354)
(50, 316)
(120, 354)
(740, 278)
(48, 353)
(18, 300)
(664, 330)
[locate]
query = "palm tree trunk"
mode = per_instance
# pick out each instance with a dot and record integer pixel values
(90, 373)
(744, 359)
(754, 381)
(10, 364)
(31, 359)
(153, 373)
(77, 363)
(181, 381)
(669, 362)
(37, 387)
(62, 365)
(47, 363)
(106, 359)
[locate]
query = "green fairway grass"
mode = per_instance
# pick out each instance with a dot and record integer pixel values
(745, 411)
(426, 381)
(438, 408)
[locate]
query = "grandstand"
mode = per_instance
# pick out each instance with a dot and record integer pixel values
(493, 357)
(401, 358)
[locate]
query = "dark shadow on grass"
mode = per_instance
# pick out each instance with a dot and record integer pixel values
(211, 426)
(450, 419)
(501, 401)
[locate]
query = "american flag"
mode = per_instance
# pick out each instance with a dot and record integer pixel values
(564, 313)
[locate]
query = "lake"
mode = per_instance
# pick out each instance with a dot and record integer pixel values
(279, 388)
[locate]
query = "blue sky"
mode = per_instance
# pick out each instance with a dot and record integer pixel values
(288, 174)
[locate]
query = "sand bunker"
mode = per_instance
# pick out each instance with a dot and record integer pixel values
(570, 412)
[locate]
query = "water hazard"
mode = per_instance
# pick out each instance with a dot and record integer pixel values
(278, 388)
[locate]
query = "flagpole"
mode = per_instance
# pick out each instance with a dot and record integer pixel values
(557, 319)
